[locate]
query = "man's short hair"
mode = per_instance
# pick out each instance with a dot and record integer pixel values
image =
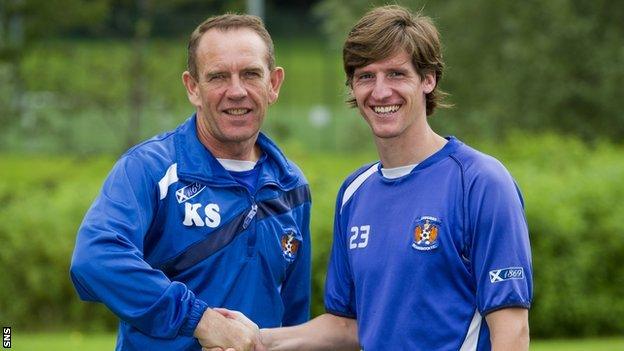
(385, 31)
(226, 22)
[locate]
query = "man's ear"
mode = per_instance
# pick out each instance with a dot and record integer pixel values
(277, 78)
(429, 82)
(192, 91)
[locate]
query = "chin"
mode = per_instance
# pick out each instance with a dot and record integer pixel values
(385, 133)
(240, 136)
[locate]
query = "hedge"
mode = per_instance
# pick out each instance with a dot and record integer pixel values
(573, 194)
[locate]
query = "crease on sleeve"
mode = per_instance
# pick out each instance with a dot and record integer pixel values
(198, 309)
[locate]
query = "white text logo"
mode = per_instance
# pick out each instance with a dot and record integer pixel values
(211, 218)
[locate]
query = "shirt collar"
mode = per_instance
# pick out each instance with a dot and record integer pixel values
(196, 162)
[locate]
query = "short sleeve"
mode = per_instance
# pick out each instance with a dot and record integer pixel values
(339, 288)
(500, 250)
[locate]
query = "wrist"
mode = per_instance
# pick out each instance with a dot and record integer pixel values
(194, 317)
(267, 338)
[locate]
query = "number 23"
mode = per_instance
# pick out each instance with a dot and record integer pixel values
(361, 233)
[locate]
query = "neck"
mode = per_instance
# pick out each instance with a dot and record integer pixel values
(409, 148)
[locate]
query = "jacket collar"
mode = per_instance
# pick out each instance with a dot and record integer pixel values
(197, 163)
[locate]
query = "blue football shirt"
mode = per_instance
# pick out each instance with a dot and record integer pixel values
(420, 259)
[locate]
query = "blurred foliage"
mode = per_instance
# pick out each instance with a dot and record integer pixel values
(574, 209)
(540, 67)
(77, 97)
(572, 193)
(28, 25)
(36, 19)
(42, 202)
(556, 65)
(527, 65)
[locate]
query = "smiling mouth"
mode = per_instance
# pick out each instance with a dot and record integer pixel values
(237, 111)
(386, 110)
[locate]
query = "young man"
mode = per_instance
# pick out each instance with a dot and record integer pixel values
(208, 215)
(431, 247)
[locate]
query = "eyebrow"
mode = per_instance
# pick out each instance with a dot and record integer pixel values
(215, 73)
(360, 71)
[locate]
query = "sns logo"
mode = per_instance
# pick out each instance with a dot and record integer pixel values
(499, 275)
(211, 217)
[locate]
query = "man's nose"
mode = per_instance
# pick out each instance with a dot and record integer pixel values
(381, 90)
(236, 90)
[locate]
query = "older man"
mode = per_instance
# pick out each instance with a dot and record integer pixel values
(210, 214)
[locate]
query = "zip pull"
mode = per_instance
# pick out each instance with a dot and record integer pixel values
(250, 215)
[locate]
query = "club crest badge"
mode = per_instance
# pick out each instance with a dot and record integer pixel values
(426, 232)
(189, 192)
(290, 246)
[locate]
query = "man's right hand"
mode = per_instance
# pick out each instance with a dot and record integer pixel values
(214, 330)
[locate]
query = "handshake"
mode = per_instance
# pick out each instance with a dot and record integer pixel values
(223, 330)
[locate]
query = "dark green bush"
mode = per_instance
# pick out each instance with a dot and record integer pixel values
(574, 206)
(573, 202)
(42, 203)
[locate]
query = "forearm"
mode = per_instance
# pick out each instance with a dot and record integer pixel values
(326, 332)
(509, 329)
(518, 341)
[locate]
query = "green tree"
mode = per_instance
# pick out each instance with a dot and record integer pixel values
(23, 22)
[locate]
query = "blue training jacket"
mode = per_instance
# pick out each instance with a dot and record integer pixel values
(172, 233)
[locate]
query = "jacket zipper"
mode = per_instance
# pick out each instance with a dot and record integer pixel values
(250, 215)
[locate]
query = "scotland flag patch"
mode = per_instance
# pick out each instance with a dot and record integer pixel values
(426, 233)
(189, 192)
(500, 275)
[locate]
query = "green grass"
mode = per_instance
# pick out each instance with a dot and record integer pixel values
(63, 341)
(606, 344)
(106, 342)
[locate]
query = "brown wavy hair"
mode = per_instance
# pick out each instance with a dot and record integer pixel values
(386, 30)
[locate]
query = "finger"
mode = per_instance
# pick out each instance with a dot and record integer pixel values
(225, 312)
(240, 317)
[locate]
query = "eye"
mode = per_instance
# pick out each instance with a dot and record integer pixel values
(215, 77)
(251, 74)
(395, 74)
(364, 76)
